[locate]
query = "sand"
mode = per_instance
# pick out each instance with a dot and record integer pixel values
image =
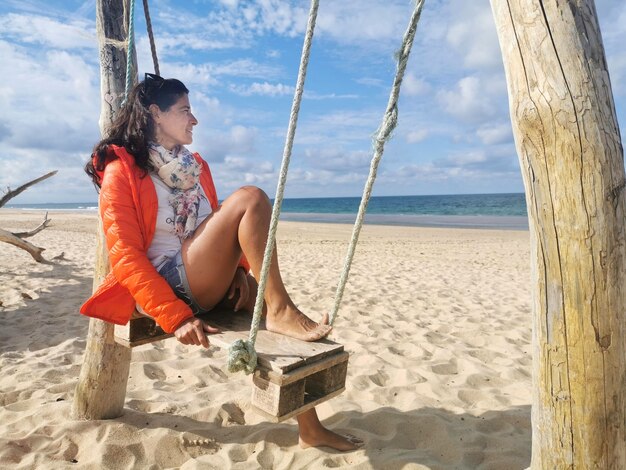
(437, 323)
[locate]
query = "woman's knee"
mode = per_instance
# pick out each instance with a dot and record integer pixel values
(248, 198)
(253, 195)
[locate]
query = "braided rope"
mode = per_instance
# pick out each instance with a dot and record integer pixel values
(155, 59)
(129, 49)
(389, 122)
(241, 354)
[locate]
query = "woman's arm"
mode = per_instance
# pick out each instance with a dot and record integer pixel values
(127, 251)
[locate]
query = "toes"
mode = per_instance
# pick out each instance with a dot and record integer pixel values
(301, 327)
(355, 440)
(322, 331)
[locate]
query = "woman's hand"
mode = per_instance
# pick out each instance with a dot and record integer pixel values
(194, 331)
(240, 283)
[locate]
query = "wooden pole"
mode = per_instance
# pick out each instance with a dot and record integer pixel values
(571, 157)
(101, 388)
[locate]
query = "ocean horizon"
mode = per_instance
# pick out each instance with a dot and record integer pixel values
(497, 211)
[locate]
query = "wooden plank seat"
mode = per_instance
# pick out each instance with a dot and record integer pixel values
(292, 376)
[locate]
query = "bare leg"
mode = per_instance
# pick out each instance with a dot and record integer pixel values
(240, 225)
(314, 434)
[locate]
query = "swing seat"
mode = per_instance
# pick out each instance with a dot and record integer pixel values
(140, 329)
(292, 376)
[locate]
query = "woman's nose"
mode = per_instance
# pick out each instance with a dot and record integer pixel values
(194, 121)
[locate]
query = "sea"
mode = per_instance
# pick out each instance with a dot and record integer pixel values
(495, 211)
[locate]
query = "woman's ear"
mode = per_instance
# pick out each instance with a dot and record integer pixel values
(155, 112)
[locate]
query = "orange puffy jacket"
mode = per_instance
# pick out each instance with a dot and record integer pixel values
(128, 207)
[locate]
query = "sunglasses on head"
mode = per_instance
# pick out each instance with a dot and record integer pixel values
(153, 82)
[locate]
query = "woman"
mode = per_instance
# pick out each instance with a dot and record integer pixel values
(174, 251)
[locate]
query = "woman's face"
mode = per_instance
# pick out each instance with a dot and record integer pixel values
(174, 126)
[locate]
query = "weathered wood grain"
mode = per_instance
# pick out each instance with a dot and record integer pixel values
(571, 157)
(101, 388)
(292, 375)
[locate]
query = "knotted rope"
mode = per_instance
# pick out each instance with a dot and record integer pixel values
(130, 45)
(389, 122)
(242, 355)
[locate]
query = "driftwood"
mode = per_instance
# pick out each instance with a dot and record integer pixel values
(17, 238)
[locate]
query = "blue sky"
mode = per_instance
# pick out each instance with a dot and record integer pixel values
(240, 59)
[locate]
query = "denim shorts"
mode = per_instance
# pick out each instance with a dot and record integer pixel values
(173, 270)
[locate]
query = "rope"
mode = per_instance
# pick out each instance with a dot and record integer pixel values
(389, 122)
(241, 354)
(129, 49)
(155, 59)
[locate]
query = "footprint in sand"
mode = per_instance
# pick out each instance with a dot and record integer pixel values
(445, 369)
(470, 397)
(197, 446)
(380, 378)
(153, 372)
(231, 413)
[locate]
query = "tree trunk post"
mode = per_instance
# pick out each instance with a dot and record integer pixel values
(571, 158)
(101, 388)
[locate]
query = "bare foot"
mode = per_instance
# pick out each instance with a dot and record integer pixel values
(292, 322)
(328, 438)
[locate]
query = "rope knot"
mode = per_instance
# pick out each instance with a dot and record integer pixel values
(242, 356)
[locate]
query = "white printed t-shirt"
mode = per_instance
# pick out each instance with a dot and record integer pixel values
(166, 243)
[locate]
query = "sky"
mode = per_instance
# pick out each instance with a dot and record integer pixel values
(240, 60)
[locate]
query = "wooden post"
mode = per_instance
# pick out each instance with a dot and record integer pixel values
(571, 157)
(101, 388)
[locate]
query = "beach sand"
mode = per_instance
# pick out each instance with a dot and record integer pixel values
(437, 323)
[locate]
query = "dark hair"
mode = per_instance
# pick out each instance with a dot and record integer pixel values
(133, 127)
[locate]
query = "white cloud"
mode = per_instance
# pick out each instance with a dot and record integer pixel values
(368, 81)
(312, 95)
(308, 183)
(419, 135)
(50, 102)
(494, 160)
(342, 127)
(469, 101)
(216, 146)
(41, 30)
(473, 168)
(245, 68)
(366, 23)
(240, 19)
(476, 39)
(243, 164)
(236, 171)
(69, 184)
(453, 108)
(262, 89)
(413, 86)
(214, 74)
(612, 17)
(281, 17)
(208, 110)
(230, 3)
(175, 45)
(202, 75)
(495, 134)
(337, 160)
